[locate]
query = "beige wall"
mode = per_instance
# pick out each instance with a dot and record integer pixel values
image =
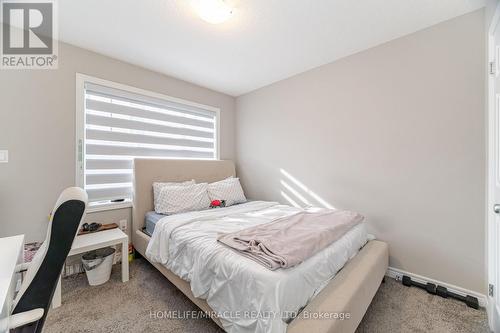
(396, 132)
(37, 126)
(489, 11)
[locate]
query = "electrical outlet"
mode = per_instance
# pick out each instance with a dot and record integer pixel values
(4, 156)
(123, 225)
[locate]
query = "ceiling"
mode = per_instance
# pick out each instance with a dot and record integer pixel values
(264, 41)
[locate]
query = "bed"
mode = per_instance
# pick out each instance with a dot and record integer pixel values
(350, 291)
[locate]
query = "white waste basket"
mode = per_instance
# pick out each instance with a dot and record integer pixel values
(98, 264)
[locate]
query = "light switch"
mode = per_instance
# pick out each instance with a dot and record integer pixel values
(4, 156)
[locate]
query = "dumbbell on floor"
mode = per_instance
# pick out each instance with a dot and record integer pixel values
(471, 301)
(431, 288)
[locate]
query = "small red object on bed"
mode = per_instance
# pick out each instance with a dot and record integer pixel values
(218, 203)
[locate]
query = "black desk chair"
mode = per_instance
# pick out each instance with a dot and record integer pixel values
(33, 300)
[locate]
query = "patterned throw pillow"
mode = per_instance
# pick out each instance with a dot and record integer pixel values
(157, 186)
(180, 199)
(228, 190)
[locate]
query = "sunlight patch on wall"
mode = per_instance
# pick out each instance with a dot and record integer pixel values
(296, 193)
(301, 192)
(290, 200)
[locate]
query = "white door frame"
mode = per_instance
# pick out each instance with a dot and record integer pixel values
(492, 230)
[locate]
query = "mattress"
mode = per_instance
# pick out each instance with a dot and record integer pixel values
(151, 219)
(246, 296)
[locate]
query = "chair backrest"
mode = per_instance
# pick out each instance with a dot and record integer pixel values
(43, 272)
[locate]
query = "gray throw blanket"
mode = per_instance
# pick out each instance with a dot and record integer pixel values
(288, 241)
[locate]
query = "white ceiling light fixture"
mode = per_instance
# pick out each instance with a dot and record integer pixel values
(257, 46)
(213, 11)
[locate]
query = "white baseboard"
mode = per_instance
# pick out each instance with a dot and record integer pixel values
(398, 275)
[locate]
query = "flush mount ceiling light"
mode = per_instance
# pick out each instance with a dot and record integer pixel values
(213, 11)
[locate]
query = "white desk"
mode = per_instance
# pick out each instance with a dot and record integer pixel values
(94, 241)
(11, 254)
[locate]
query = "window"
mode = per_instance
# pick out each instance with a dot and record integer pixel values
(117, 123)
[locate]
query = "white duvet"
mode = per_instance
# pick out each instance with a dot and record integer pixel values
(246, 296)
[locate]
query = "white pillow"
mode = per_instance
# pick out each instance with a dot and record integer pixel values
(180, 199)
(228, 189)
(157, 186)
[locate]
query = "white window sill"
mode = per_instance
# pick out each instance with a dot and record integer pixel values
(101, 206)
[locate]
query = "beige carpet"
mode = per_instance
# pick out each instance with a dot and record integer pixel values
(130, 307)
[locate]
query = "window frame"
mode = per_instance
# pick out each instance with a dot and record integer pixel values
(81, 79)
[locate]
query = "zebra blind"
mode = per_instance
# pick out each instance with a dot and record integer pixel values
(120, 126)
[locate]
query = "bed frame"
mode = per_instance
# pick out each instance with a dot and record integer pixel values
(351, 291)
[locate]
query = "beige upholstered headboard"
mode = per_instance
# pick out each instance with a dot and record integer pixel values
(147, 171)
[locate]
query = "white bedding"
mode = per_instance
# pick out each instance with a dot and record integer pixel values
(247, 296)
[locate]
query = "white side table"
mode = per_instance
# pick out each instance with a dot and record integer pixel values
(94, 241)
(12, 254)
